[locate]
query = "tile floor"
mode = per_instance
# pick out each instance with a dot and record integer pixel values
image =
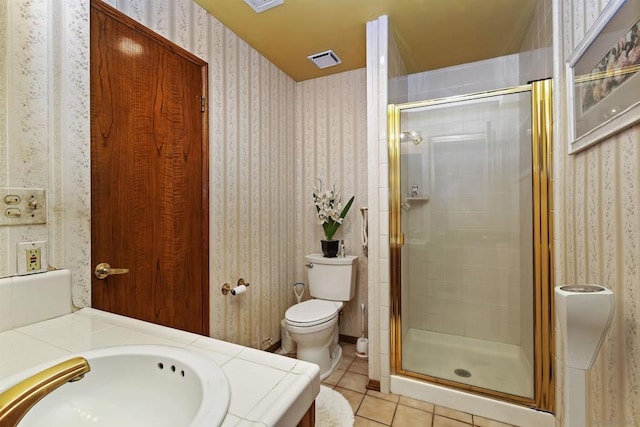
(373, 408)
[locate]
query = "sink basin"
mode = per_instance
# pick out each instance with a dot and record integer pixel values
(141, 385)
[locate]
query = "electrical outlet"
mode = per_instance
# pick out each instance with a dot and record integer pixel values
(32, 257)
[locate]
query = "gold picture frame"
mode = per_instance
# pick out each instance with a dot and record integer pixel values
(603, 76)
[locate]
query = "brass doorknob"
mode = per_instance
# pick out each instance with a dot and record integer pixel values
(104, 270)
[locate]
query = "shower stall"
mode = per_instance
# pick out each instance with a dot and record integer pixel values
(470, 243)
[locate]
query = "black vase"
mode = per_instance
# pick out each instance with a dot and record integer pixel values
(330, 248)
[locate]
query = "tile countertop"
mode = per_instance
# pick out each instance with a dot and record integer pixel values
(266, 389)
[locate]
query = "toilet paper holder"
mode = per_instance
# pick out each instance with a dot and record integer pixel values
(226, 288)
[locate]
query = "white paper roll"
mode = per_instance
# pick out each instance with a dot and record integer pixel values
(239, 290)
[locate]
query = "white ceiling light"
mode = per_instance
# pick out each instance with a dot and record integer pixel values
(325, 59)
(262, 5)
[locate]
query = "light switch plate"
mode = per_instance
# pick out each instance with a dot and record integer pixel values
(20, 206)
(25, 260)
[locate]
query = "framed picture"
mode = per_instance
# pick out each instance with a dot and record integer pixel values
(603, 76)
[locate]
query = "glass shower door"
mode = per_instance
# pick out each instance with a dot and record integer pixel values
(466, 217)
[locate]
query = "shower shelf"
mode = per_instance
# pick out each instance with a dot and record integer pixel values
(417, 199)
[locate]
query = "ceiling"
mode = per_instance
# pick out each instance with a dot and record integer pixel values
(430, 34)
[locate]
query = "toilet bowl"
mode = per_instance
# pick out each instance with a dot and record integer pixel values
(313, 324)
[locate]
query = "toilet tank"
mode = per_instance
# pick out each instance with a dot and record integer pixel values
(332, 279)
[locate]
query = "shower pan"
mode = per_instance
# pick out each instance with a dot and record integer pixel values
(470, 243)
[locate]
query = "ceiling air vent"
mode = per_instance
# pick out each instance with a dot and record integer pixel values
(262, 5)
(325, 59)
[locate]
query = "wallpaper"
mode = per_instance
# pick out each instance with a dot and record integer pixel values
(598, 225)
(270, 139)
(24, 115)
(331, 146)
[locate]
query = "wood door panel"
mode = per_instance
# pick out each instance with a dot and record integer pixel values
(149, 174)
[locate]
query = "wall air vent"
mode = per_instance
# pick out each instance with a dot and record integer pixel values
(262, 5)
(325, 59)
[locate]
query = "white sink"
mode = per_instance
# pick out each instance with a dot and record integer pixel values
(141, 385)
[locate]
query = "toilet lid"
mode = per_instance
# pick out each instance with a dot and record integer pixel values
(311, 312)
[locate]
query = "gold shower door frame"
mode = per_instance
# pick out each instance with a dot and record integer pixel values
(541, 118)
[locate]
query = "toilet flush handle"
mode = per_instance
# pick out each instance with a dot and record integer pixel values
(309, 265)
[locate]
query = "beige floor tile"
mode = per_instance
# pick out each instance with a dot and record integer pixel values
(417, 404)
(334, 378)
(377, 409)
(363, 422)
(355, 382)
(452, 413)
(348, 350)
(410, 417)
(345, 363)
(360, 366)
(353, 397)
(386, 396)
(485, 422)
(440, 421)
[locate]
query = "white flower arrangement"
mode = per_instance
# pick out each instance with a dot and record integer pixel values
(330, 210)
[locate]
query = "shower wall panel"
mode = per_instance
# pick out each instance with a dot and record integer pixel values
(480, 76)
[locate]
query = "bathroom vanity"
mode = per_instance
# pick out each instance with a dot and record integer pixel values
(266, 389)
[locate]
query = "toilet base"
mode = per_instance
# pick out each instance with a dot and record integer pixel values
(327, 359)
(336, 357)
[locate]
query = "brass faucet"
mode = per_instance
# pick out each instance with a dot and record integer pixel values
(16, 401)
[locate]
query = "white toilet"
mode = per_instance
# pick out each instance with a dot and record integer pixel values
(313, 324)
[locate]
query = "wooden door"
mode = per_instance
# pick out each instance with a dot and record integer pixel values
(149, 174)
